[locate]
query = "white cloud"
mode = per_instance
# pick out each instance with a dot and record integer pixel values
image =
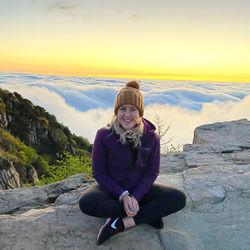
(86, 104)
(183, 121)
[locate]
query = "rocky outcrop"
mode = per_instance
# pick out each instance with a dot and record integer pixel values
(234, 135)
(214, 172)
(32, 175)
(9, 178)
(3, 120)
(26, 198)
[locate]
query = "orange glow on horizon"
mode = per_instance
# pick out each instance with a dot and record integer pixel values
(146, 41)
(142, 76)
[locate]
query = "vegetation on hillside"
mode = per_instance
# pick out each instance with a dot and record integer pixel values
(23, 157)
(34, 138)
(67, 165)
(34, 126)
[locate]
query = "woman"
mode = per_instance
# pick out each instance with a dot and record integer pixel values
(125, 164)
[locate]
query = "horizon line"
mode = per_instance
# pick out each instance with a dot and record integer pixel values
(142, 76)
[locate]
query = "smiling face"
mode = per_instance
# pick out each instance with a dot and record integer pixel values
(128, 116)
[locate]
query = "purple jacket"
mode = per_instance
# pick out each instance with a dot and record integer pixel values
(113, 166)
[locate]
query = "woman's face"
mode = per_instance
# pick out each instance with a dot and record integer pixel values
(128, 116)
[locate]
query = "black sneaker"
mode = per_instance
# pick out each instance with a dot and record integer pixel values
(110, 228)
(158, 224)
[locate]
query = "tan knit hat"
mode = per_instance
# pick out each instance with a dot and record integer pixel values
(130, 94)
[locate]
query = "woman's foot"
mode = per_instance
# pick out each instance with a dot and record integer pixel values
(111, 227)
(158, 224)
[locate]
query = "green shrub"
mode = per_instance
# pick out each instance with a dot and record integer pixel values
(67, 165)
(41, 167)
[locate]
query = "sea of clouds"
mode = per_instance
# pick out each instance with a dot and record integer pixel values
(85, 104)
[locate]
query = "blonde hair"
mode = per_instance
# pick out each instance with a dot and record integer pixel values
(133, 135)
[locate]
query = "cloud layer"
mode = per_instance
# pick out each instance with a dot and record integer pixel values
(86, 104)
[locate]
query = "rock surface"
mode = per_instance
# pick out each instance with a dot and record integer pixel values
(235, 133)
(9, 177)
(214, 172)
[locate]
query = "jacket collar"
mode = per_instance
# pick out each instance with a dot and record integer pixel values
(148, 126)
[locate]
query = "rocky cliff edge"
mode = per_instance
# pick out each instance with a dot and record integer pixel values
(214, 172)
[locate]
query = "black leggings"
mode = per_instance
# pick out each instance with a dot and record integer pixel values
(160, 201)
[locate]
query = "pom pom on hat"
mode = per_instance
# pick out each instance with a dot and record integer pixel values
(133, 84)
(130, 94)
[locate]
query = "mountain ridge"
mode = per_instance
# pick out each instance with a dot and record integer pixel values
(31, 138)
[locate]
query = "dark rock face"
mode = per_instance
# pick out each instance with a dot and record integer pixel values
(214, 174)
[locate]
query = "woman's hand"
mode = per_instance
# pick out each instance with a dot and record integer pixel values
(135, 204)
(129, 205)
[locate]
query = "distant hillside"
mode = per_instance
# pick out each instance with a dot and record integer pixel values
(31, 139)
(35, 127)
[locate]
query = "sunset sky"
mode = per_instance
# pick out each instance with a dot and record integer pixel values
(192, 40)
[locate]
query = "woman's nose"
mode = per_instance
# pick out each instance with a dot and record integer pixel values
(127, 113)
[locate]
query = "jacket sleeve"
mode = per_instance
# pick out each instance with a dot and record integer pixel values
(100, 168)
(151, 173)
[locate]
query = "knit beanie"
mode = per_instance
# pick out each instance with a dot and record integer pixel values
(130, 94)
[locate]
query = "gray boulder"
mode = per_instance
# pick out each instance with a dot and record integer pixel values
(20, 200)
(215, 175)
(235, 133)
